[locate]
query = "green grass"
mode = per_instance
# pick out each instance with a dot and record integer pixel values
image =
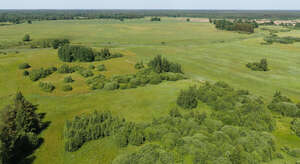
(204, 52)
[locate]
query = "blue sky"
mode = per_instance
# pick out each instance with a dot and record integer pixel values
(150, 4)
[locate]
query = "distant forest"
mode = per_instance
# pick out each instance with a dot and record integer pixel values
(18, 16)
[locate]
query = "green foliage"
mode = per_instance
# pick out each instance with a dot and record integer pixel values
(56, 43)
(283, 105)
(187, 99)
(24, 66)
(68, 79)
(36, 74)
(26, 38)
(155, 19)
(66, 69)
(101, 67)
(47, 87)
(283, 40)
(236, 25)
(25, 73)
(91, 67)
(99, 125)
(261, 66)
(105, 54)
(295, 126)
(67, 88)
(86, 73)
(139, 65)
(20, 125)
(295, 152)
(111, 86)
(160, 65)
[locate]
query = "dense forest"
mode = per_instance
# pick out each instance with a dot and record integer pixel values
(19, 16)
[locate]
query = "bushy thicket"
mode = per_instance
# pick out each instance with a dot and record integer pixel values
(237, 108)
(160, 65)
(67, 88)
(66, 69)
(238, 25)
(20, 125)
(71, 53)
(24, 66)
(141, 78)
(284, 105)
(68, 79)
(101, 67)
(26, 38)
(85, 73)
(47, 43)
(259, 66)
(295, 126)
(46, 86)
(139, 65)
(99, 125)
(155, 19)
(188, 98)
(283, 40)
(36, 74)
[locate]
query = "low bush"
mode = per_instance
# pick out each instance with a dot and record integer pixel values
(47, 87)
(24, 66)
(37, 74)
(25, 73)
(66, 69)
(139, 65)
(91, 67)
(86, 73)
(68, 79)
(261, 66)
(67, 88)
(295, 126)
(111, 86)
(187, 99)
(101, 67)
(160, 65)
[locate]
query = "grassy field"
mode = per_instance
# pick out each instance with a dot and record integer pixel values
(204, 52)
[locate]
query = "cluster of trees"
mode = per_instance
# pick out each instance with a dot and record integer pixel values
(19, 129)
(259, 66)
(71, 53)
(155, 19)
(160, 65)
(239, 25)
(141, 78)
(202, 138)
(283, 105)
(99, 125)
(46, 86)
(232, 107)
(283, 40)
(47, 43)
(36, 74)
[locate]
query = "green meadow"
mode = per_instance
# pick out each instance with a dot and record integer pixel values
(206, 54)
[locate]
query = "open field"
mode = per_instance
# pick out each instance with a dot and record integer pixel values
(206, 54)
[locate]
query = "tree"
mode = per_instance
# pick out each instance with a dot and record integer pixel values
(26, 38)
(187, 98)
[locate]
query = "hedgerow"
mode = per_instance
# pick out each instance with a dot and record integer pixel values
(36, 74)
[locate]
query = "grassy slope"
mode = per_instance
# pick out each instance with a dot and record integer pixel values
(206, 54)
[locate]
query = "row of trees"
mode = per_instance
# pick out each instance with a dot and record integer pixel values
(71, 53)
(243, 26)
(19, 129)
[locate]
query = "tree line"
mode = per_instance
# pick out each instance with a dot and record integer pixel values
(237, 25)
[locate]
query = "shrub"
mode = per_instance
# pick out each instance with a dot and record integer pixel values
(26, 38)
(96, 82)
(37, 74)
(155, 79)
(91, 67)
(68, 79)
(25, 73)
(139, 65)
(261, 66)
(56, 43)
(70, 53)
(187, 99)
(111, 86)
(295, 152)
(24, 66)
(123, 86)
(66, 69)
(47, 87)
(101, 67)
(160, 65)
(67, 88)
(295, 126)
(86, 73)
(155, 19)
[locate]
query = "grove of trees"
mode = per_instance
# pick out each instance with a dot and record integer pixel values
(239, 25)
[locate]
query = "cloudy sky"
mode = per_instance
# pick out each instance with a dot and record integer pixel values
(150, 4)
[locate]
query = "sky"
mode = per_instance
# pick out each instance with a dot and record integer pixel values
(151, 4)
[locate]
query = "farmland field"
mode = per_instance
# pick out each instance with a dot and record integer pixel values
(205, 53)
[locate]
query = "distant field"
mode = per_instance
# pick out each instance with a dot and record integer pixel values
(205, 53)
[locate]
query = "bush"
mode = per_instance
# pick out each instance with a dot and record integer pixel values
(160, 65)
(111, 86)
(155, 79)
(68, 79)
(26, 38)
(295, 152)
(295, 126)
(187, 99)
(139, 65)
(24, 66)
(66, 69)
(262, 66)
(91, 67)
(56, 43)
(25, 73)
(67, 88)
(47, 87)
(155, 19)
(86, 73)
(70, 53)
(101, 67)
(37, 74)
